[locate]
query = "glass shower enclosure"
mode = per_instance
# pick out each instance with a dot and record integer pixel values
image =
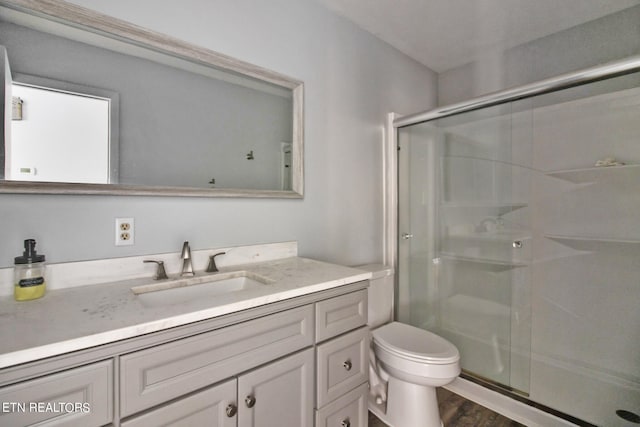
(519, 242)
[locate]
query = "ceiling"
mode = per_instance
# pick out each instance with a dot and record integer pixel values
(443, 34)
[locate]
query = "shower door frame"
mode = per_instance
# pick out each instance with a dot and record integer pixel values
(501, 399)
(395, 121)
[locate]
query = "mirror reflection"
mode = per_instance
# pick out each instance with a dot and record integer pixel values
(59, 134)
(88, 109)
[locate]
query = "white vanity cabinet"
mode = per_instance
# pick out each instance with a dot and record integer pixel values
(293, 363)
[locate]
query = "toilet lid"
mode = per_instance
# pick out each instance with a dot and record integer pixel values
(409, 342)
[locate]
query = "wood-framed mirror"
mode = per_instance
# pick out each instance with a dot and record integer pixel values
(177, 119)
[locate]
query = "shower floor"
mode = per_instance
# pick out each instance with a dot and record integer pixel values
(457, 411)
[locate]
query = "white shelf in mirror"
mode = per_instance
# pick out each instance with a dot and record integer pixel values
(587, 243)
(598, 174)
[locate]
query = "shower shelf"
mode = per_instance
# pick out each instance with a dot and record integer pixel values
(585, 243)
(502, 235)
(488, 263)
(490, 208)
(500, 207)
(597, 174)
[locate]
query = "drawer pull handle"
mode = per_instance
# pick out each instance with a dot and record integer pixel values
(231, 410)
(345, 423)
(347, 365)
(250, 401)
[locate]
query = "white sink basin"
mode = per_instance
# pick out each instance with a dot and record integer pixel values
(171, 292)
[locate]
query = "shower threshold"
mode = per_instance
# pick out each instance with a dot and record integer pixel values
(519, 396)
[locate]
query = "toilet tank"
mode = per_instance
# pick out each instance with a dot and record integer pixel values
(381, 292)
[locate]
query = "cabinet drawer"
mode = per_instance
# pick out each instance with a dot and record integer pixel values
(156, 375)
(78, 397)
(342, 365)
(205, 408)
(348, 411)
(340, 314)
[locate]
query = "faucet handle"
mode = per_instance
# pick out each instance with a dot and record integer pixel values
(212, 267)
(161, 274)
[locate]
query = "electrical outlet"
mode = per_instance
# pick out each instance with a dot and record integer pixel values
(125, 231)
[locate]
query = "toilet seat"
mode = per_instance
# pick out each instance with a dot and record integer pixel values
(410, 343)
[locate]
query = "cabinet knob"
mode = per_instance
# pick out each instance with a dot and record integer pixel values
(347, 365)
(231, 410)
(345, 423)
(250, 401)
(517, 244)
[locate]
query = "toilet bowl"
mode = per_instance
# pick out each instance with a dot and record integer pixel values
(406, 363)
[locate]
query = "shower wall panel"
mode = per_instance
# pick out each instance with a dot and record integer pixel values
(586, 293)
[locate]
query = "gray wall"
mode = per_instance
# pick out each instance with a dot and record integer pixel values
(612, 37)
(352, 80)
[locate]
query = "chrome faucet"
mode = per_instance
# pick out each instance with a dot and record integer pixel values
(187, 266)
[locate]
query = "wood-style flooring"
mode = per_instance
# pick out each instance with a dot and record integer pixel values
(457, 411)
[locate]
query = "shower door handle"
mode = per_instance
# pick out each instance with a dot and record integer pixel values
(407, 236)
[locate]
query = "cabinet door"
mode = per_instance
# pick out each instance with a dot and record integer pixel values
(81, 397)
(213, 407)
(279, 394)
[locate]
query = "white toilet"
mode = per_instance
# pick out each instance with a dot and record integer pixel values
(406, 363)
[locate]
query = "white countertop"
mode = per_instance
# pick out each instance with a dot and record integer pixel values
(76, 318)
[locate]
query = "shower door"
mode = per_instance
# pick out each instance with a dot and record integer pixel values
(519, 241)
(464, 237)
